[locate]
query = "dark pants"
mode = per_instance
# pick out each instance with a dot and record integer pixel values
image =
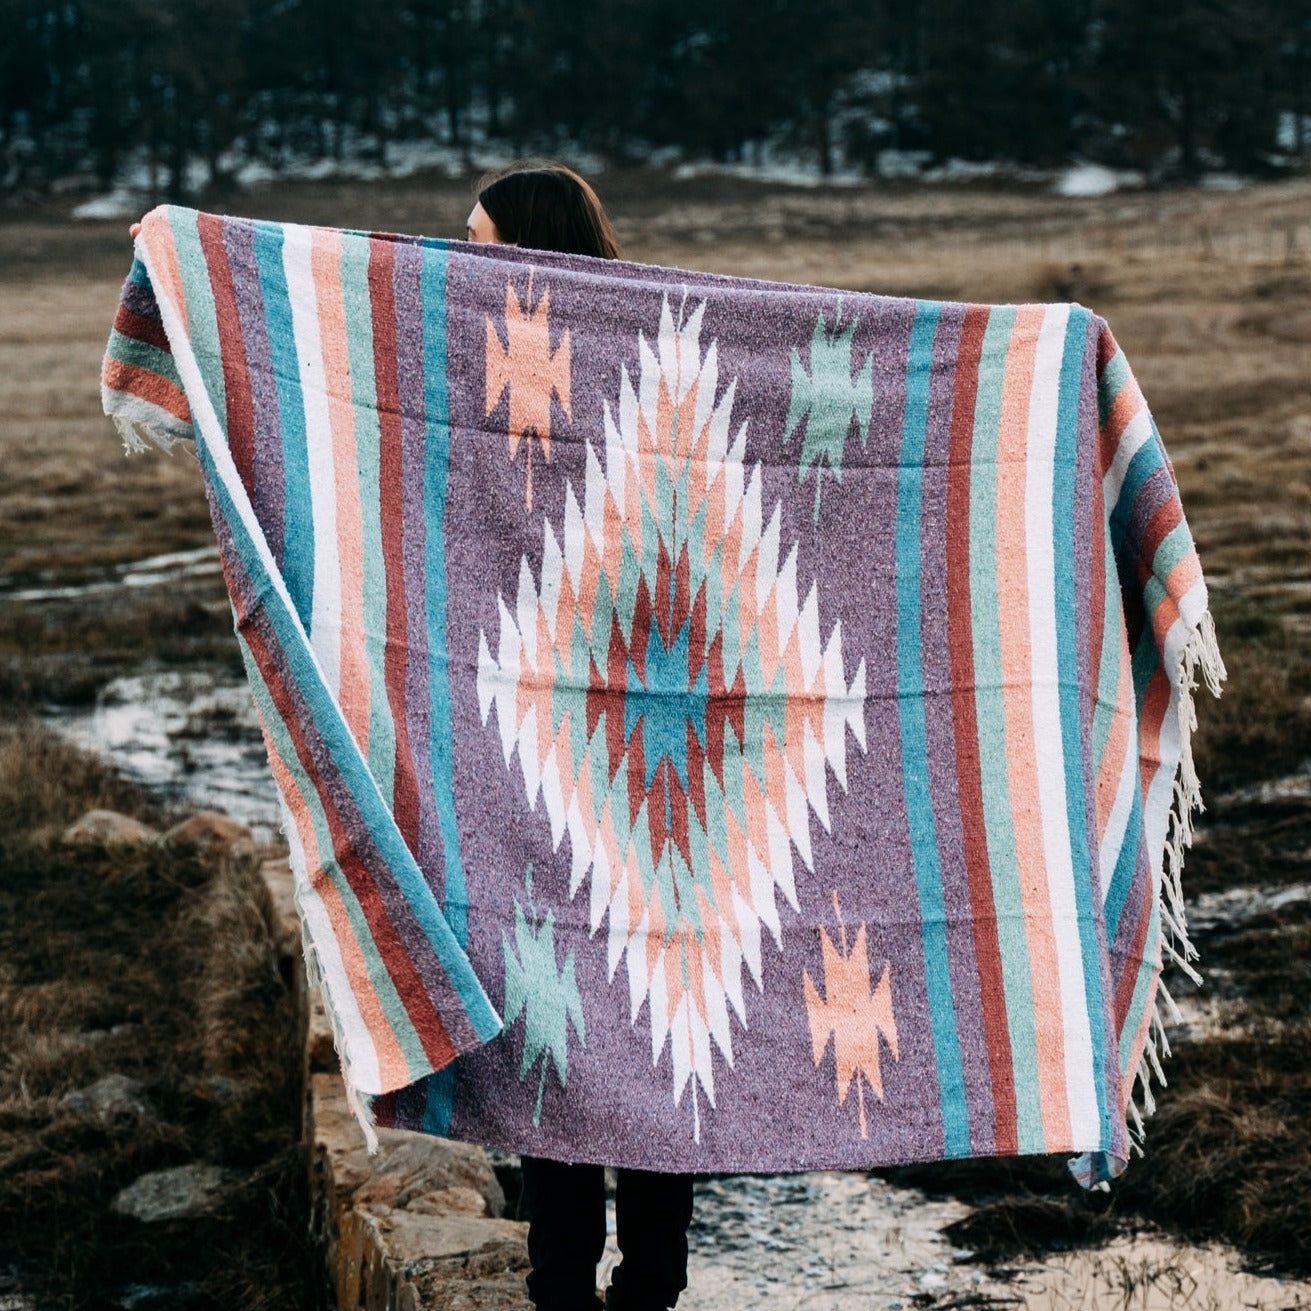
(565, 1205)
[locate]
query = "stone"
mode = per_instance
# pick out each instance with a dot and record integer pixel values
(172, 1194)
(457, 1200)
(221, 1089)
(320, 1046)
(281, 883)
(113, 1097)
(108, 828)
(208, 829)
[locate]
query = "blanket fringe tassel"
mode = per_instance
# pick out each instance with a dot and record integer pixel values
(139, 436)
(358, 1104)
(1200, 654)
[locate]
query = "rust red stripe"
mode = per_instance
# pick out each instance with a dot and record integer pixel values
(140, 327)
(382, 297)
(992, 988)
(232, 348)
(136, 380)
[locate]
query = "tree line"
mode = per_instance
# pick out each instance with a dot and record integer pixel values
(1171, 87)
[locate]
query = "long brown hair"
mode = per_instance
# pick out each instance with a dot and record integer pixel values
(546, 205)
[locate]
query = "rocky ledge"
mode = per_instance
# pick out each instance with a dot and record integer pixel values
(418, 1225)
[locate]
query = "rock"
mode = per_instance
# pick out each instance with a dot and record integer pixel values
(220, 1088)
(208, 829)
(107, 828)
(83, 1039)
(172, 1194)
(449, 1201)
(321, 1049)
(108, 1099)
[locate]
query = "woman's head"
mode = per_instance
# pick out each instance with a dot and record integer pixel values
(543, 205)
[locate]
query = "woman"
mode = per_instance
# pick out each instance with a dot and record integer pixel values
(543, 205)
(548, 206)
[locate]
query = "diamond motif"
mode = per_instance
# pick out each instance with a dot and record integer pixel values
(672, 701)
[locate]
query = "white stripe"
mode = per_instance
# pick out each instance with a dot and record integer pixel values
(1044, 403)
(1136, 432)
(325, 619)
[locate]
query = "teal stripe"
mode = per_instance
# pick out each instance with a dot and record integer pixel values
(990, 710)
(201, 316)
(1066, 454)
(132, 350)
(441, 747)
(394, 1009)
(364, 399)
(1146, 658)
(1125, 866)
(914, 738)
(297, 511)
(1145, 462)
(1110, 383)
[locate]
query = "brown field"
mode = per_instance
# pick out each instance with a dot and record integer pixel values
(1208, 292)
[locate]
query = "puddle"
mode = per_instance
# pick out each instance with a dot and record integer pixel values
(1146, 1273)
(192, 735)
(818, 1242)
(822, 1242)
(150, 572)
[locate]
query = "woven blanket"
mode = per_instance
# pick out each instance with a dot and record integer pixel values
(721, 725)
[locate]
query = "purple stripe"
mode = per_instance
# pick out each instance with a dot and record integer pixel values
(874, 806)
(268, 494)
(140, 299)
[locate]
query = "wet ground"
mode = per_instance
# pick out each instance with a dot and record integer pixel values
(822, 1241)
(114, 628)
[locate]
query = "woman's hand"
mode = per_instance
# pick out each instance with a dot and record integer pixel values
(133, 230)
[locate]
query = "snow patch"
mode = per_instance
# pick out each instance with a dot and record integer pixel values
(117, 204)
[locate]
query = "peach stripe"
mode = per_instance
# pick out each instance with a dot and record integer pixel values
(1123, 409)
(164, 257)
(1117, 743)
(1013, 598)
(354, 694)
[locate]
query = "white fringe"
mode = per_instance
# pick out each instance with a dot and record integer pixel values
(1200, 652)
(139, 436)
(359, 1108)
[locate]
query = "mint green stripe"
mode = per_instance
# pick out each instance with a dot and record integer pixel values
(1175, 546)
(1108, 675)
(201, 316)
(364, 399)
(132, 350)
(985, 618)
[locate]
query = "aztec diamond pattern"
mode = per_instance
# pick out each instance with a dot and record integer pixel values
(673, 702)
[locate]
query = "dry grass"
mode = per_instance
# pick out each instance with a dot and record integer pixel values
(158, 966)
(1206, 292)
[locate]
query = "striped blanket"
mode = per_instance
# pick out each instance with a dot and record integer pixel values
(721, 725)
